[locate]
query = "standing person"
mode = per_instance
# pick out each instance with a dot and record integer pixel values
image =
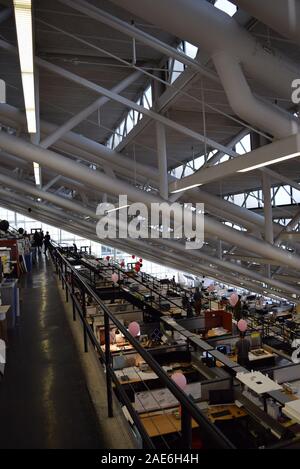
(46, 242)
(242, 350)
(36, 241)
(237, 310)
(40, 241)
(198, 301)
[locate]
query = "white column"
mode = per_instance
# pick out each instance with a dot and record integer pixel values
(269, 235)
(162, 160)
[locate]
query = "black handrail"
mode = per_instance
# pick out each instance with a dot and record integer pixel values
(187, 405)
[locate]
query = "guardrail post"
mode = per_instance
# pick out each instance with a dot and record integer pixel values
(72, 296)
(66, 283)
(186, 429)
(62, 273)
(85, 338)
(107, 364)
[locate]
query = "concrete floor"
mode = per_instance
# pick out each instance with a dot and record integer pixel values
(44, 400)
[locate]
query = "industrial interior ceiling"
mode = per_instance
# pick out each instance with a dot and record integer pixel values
(93, 60)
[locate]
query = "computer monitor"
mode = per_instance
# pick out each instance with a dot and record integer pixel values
(221, 396)
(222, 349)
(209, 360)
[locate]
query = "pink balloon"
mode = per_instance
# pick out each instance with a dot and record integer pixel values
(134, 329)
(179, 379)
(114, 277)
(233, 299)
(242, 325)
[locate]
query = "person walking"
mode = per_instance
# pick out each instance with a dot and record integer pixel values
(47, 243)
(36, 241)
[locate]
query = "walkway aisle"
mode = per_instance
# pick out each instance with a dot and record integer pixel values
(44, 401)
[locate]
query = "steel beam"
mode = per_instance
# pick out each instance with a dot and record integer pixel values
(121, 99)
(132, 31)
(102, 182)
(82, 115)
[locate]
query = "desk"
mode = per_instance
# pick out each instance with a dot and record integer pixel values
(162, 424)
(217, 332)
(157, 424)
(233, 412)
(134, 375)
(258, 382)
(254, 358)
(292, 410)
(260, 354)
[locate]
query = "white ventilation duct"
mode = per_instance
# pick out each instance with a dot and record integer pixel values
(214, 31)
(267, 117)
(92, 151)
(100, 181)
(282, 15)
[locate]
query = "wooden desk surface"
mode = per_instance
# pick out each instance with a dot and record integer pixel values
(234, 412)
(157, 424)
(252, 357)
(162, 424)
(217, 332)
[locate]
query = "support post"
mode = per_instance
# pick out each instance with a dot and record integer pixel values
(85, 338)
(73, 293)
(162, 160)
(269, 235)
(186, 429)
(107, 364)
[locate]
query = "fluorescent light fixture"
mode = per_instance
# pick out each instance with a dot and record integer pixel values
(226, 6)
(2, 91)
(23, 17)
(37, 174)
(268, 163)
(116, 209)
(186, 188)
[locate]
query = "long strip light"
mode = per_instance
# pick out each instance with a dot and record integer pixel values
(268, 163)
(23, 18)
(37, 173)
(117, 208)
(186, 188)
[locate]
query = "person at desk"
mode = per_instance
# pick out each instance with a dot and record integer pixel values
(242, 348)
(198, 301)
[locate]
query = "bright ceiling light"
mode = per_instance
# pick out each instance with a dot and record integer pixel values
(116, 209)
(37, 174)
(185, 188)
(2, 91)
(226, 6)
(23, 17)
(268, 163)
